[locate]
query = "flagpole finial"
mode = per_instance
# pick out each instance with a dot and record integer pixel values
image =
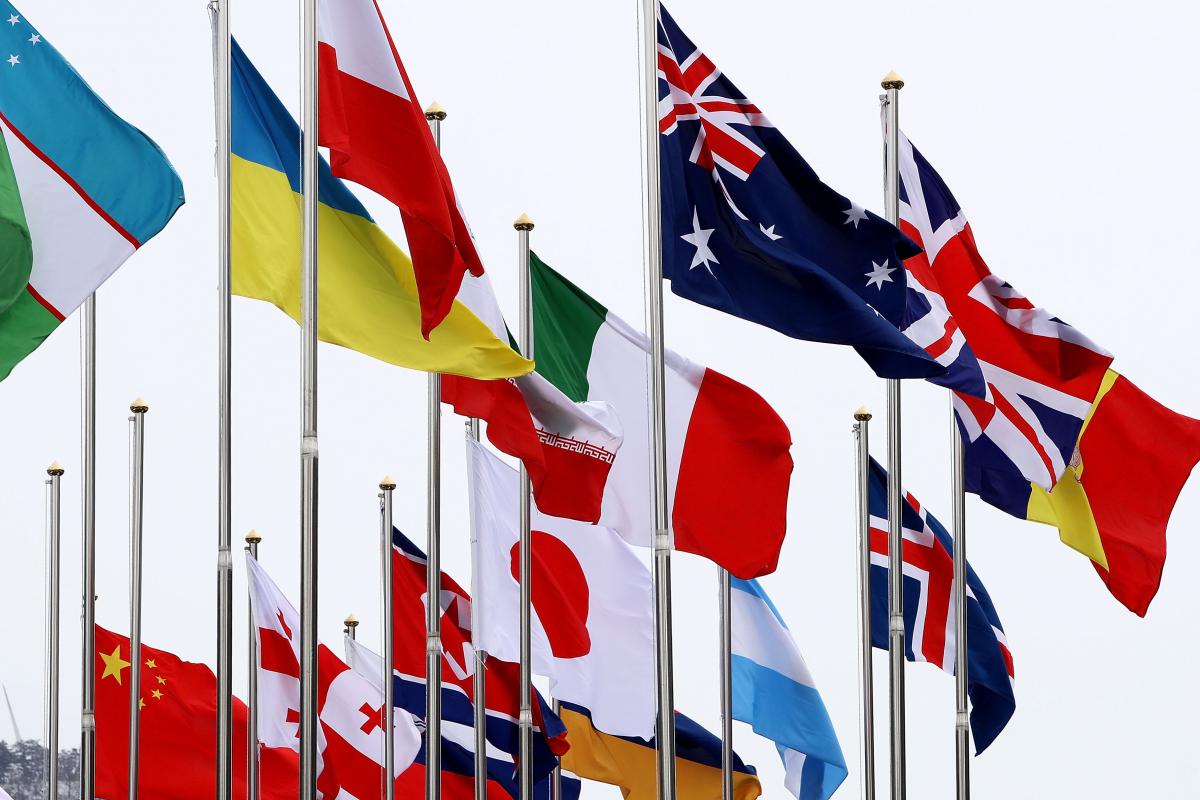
(139, 406)
(435, 111)
(863, 414)
(388, 483)
(253, 537)
(351, 621)
(55, 469)
(892, 81)
(524, 223)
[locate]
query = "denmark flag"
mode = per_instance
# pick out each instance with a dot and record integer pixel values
(377, 136)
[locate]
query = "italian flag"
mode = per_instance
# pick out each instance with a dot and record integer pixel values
(728, 459)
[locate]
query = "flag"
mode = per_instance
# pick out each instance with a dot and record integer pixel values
(631, 763)
(567, 448)
(177, 740)
(1113, 504)
(775, 693)
(749, 229)
(367, 293)
(378, 136)
(1024, 379)
(458, 691)
(80, 190)
(591, 594)
(728, 458)
(929, 610)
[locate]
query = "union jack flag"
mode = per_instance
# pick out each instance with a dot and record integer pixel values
(929, 610)
(1024, 380)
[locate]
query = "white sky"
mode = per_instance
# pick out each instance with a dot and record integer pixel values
(1064, 129)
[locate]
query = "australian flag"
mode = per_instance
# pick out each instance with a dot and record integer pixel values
(749, 228)
(929, 611)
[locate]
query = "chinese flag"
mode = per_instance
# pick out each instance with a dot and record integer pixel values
(178, 737)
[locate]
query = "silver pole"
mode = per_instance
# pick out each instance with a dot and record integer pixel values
(726, 602)
(652, 216)
(388, 487)
(523, 226)
(962, 724)
(866, 671)
(308, 446)
(137, 450)
(479, 681)
(351, 626)
(253, 789)
(435, 115)
(556, 786)
(87, 766)
(892, 84)
(52, 629)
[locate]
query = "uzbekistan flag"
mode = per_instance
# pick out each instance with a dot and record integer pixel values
(80, 190)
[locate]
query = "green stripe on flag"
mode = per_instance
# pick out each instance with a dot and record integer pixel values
(23, 327)
(16, 248)
(566, 321)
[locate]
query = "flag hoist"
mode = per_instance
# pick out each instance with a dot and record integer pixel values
(652, 222)
(892, 84)
(253, 787)
(866, 671)
(137, 452)
(524, 226)
(387, 488)
(54, 536)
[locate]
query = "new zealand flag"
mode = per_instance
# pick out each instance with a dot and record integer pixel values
(749, 228)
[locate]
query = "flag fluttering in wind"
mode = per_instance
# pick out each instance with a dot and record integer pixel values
(378, 136)
(592, 612)
(774, 692)
(178, 730)
(367, 293)
(728, 452)
(929, 610)
(749, 228)
(80, 190)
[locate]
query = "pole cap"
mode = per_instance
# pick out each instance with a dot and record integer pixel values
(253, 537)
(351, 621)
(435, 111)
(863, 414)
(524, 223)
(139, 406)
(388, 483)
(55, 469)
(892, 81)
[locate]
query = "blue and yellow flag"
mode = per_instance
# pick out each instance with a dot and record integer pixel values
(367, 293)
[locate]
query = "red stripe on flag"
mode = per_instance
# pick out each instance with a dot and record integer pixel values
(45, 303)
(1021, 424)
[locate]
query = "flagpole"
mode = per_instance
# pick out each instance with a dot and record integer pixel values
(479, 677)
(253, 789)
(137, 450)
(435, 115)
(351, 626)
(388, 486)
(556, 786)
(892, 84)
(962, 729)
(523, 226)
(866, 671)
(652, 216)
(54, 512)
(726, 600)
(87, 766)
(308, 447)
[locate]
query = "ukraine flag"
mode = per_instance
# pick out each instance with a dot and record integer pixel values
(367, 292)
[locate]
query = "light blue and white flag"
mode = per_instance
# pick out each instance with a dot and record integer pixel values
(774, 693)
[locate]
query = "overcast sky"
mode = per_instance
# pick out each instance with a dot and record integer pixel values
(1066, 130)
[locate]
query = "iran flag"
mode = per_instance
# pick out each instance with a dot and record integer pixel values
(592, 608)
(378, 136)
(728, 452)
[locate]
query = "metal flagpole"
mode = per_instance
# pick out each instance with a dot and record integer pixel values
(523, 226)
(388, 486)
(137, 450)
(435, 115)
(556, 785)
(87, 766)
(726, 600)
(892, 85)
(962, 727)
(351, 626)
(253, 789)
(54, 512)
(866, 671)
(479, 679)
(308, 445)
(652, 216)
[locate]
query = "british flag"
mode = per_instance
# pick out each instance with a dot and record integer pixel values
(929, 610)
(1024, 380)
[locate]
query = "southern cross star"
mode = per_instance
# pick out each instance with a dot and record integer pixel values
(855, 214)
(879, 275)
(698, 239)
(770, 232)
